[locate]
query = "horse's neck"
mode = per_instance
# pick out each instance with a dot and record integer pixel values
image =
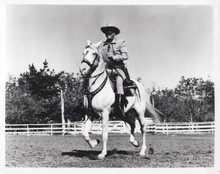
(101, 69)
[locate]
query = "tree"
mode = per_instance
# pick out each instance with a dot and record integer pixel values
(21, 107)
(167, 104)
(42, 83)
(192, 101)
(73, 96)
(35, 96)
(196, 98)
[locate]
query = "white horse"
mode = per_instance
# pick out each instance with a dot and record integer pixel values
(93, 68)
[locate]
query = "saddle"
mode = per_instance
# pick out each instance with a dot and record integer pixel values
(128, 85)
(129, 90)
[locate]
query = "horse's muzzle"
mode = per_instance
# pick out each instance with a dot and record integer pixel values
(84, 69)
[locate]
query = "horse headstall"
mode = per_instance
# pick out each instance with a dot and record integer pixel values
(95, 62)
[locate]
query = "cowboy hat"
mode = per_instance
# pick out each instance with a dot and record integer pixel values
(108, 27)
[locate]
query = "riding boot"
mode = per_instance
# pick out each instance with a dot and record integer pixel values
(127, 81)
(119, 106)
(127, 74)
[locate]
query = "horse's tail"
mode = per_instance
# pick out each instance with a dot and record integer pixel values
(151, 109)
(153, 112)
(138, 94)
(145, 95)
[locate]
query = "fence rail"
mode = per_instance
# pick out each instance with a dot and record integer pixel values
(114, 127)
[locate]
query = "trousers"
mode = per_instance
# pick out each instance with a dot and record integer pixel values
(120, 77)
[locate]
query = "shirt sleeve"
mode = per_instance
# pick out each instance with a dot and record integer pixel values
(123, 53)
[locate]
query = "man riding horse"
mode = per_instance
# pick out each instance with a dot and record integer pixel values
(116, 52)
(100, 93)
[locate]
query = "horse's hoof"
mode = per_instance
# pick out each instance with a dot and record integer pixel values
(135, 143)
(142, 155)
(101, 156)
(94, 143)
(145, 156)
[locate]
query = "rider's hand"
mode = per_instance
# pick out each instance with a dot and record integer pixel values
(117, 59)
(109, 54)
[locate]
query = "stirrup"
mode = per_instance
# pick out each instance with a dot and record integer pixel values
(128, 82)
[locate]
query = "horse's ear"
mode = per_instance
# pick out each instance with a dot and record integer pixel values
(88, 43)
(97, 45)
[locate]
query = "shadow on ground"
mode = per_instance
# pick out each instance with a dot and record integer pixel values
(91, 154)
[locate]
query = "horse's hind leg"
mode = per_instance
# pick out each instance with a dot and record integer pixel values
(87, 127)
(132, 139)
(143, 131)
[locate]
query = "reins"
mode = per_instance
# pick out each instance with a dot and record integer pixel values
(96, 76)
(97, 90)
(93, 67)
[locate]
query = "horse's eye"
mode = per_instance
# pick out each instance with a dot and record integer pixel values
(85, 52)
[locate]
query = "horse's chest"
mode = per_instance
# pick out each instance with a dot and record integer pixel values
(103, 100)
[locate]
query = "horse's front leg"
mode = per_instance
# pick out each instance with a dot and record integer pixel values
(105, 119)
(87, 128)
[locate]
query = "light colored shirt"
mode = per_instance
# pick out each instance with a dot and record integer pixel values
(116, 48)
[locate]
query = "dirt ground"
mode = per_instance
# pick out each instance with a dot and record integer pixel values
(72, 151)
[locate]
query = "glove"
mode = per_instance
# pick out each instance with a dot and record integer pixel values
(117, 59)
(109, 54)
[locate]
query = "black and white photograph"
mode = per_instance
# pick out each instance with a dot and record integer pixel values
(110, 86)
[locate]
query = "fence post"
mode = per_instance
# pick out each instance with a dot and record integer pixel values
(213, 126)
(62, 112)
(51, 130)
(74, 129)
(27, 130)
(194, 127)
(63, 129)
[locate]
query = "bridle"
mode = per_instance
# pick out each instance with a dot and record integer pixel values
(92, 65)
(88, 76)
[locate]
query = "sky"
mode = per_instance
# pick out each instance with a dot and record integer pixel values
(164, 42)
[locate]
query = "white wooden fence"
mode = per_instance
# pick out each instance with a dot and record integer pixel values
(114, 127)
